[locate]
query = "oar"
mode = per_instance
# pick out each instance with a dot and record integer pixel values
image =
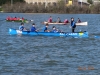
(96, 36)
(31, 20)
(27, 21)
(34, 31)
(37, 32)
(42, 22)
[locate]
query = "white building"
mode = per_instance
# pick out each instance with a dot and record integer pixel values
(41, 1)
(84, 1)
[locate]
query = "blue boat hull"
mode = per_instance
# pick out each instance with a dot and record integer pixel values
(17, 32)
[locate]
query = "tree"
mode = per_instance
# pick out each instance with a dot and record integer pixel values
(90, 1)
(14, 1)
(61, 5)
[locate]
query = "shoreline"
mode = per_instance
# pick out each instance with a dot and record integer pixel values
(44, 13)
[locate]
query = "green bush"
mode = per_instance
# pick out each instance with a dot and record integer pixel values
(0, 9)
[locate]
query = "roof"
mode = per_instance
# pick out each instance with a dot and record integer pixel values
(83, 1)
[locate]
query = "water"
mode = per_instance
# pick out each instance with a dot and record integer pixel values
(39, 55)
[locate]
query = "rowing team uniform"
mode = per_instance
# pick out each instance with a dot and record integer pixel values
(55, 31)
(50, 20)
(21, 28)
(73, 25)
(45, 29)
(33, 29)
(79, 21)
(66, 21)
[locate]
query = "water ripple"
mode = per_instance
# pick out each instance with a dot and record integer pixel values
(35, 55)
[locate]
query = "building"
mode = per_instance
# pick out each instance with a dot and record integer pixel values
(83, 3)
(77, 3)
(41, 1)
(67, 2)
(71, 2)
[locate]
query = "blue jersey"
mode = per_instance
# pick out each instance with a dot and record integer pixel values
(21, 28)
(33, 29)
(73, 23)
(54, 31)
(45, 29)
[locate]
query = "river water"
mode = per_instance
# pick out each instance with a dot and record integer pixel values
(41, 55)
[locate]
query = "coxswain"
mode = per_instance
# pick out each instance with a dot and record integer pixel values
(73, 24)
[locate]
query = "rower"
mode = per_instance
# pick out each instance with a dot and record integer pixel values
(8, 18)
(15, 18)
(54, 29)
(18, 18)
(66, 21)
(33, 29)
(21, 28)
(50, 20)
(73, 24)
(78, 20)
(58, 20)
(22, 18)
(46, 28)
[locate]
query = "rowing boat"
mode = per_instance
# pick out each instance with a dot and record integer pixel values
(62, 23)
(52, 23)
(63, 34)
(82, 24)
(24, 21)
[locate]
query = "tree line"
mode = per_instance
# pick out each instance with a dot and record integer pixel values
(59, 7)
(9, 1)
